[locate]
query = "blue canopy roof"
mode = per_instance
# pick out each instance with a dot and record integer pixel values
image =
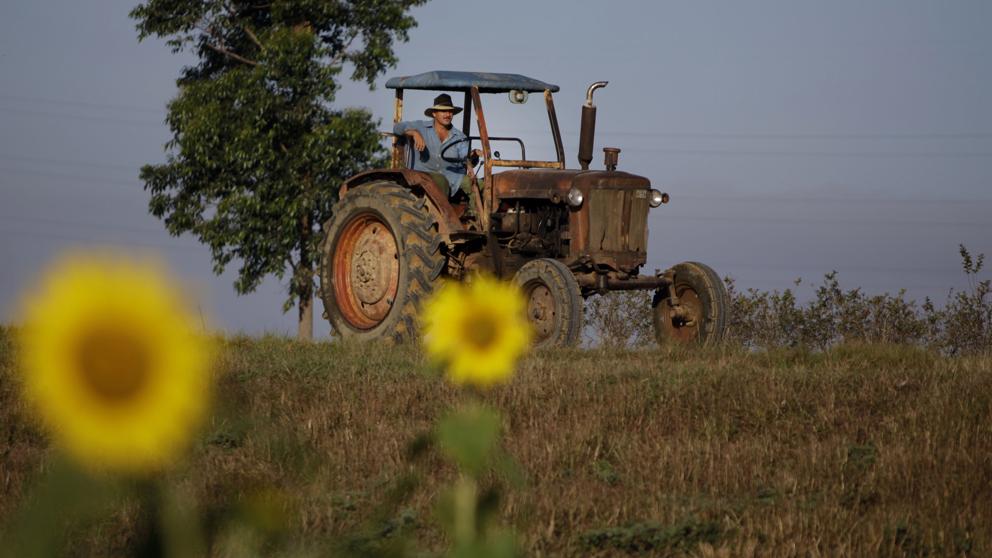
(444, 80)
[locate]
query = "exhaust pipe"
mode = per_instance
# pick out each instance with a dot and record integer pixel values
(588, 131)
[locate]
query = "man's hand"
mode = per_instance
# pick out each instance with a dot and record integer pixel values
(418, 140)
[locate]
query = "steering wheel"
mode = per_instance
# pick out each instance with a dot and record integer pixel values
(472, 159)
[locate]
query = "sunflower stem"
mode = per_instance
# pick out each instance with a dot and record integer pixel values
(466, 495)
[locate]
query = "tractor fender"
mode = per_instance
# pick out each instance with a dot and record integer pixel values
(421, 184)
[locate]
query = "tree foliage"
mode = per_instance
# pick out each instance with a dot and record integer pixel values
(258, 152)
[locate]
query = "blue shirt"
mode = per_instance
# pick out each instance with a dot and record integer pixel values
(429, 159)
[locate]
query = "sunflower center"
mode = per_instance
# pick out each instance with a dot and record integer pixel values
(113, 363)
(481, 331)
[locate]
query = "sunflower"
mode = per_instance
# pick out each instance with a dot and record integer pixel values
(477, 330)
(112, 365)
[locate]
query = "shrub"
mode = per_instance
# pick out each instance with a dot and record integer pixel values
(620, 319)
(834, 316)
(964, 325)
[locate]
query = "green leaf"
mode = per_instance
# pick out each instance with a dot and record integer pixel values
(258, 152)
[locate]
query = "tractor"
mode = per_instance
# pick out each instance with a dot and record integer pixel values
(561, 234)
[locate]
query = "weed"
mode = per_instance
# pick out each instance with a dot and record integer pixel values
(680, 537)
(605, 472)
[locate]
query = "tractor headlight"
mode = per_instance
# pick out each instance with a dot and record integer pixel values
(656, 198)
(575, 197)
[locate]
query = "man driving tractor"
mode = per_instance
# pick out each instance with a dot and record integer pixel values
(562, 234)
(436, 137)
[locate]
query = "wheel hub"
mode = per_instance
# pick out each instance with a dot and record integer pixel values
(369, 275)
(541, 310)
(366, 258)
(682, 322)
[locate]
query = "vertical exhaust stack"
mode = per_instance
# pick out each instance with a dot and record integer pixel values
(588, 131)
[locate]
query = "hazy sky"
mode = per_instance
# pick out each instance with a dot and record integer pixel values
(795, 137)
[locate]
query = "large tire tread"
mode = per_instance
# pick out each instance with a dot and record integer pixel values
(569, 303)
(716, 324)
(419, 247)
(711, 291)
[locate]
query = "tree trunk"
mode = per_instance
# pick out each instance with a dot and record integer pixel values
(304, 331)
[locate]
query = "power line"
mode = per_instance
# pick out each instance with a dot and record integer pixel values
(101, 226)
(800, 153)
(803, 135)
(85, 104)
(72, 177)
(770, 153)
(816, 136)
(111, 166)
(756, 198)
(819, 270)
(775, 198)
(54, 235)
(108, 119)
(786, 221)
(632, 133)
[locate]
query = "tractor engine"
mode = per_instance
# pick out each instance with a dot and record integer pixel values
(592, 220)
(532, 228)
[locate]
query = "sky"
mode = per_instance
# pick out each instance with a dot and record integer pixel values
(794, 137)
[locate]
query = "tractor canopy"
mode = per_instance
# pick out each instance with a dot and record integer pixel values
(473, 85)
(447, 80)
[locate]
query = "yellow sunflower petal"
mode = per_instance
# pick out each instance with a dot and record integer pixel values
(112, 365)
(478, 330)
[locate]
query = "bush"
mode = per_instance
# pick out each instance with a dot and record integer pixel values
(766, 320)
(964, 325)
(620, 319)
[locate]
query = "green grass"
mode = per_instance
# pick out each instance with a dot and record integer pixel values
(860, 450)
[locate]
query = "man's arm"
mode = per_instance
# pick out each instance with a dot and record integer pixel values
(410, 130)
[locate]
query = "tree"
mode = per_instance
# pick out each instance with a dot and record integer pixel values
(257, 152)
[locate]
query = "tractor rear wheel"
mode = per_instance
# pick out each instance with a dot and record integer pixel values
(704, 308)
(554, 302)
(380, 258)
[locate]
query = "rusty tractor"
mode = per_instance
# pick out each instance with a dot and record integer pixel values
(561, 234)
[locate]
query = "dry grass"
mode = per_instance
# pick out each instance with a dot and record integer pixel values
(858, 451)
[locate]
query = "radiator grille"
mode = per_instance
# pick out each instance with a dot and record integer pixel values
(618, 220)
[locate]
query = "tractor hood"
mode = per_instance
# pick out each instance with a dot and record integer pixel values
(554, 184)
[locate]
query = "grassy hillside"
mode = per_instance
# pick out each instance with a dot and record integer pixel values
(871, 450)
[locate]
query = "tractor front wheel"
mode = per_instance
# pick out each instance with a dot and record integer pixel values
(554, 302)
(703, 311)
(380, 258)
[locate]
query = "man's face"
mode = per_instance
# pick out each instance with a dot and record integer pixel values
(443, 117)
